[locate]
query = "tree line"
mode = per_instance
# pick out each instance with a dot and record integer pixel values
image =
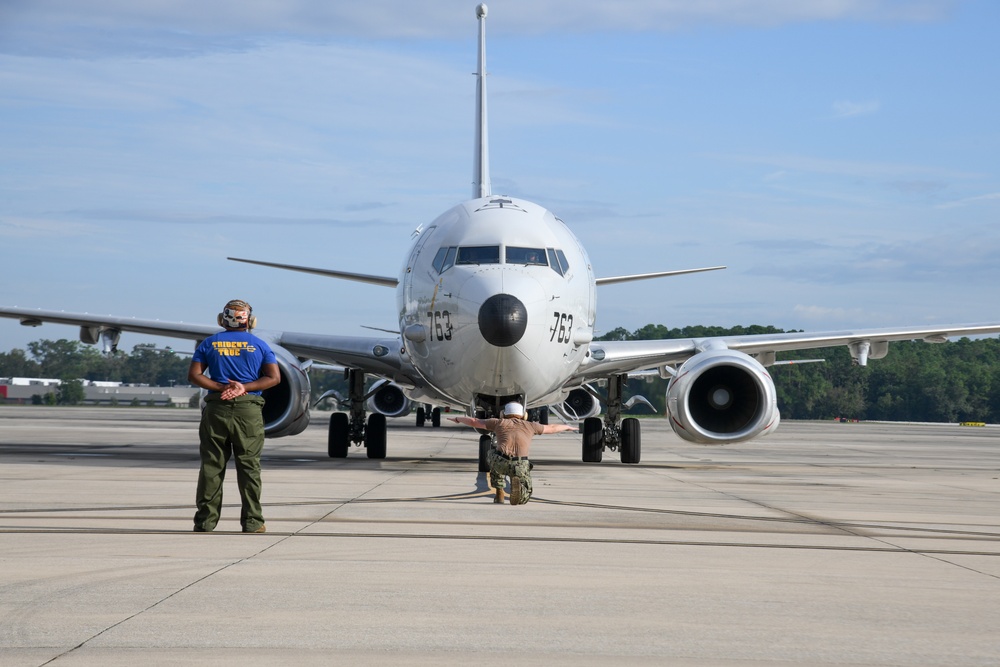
(916, 381)
(72, 361)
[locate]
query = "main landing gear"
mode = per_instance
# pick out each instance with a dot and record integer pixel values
(422, 416)
(613, 433)
(352, 428)
(485, 444)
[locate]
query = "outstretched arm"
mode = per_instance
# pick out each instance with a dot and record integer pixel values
(559, 428)
(469, 421)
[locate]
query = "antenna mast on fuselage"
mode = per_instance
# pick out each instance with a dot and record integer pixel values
(481, 166)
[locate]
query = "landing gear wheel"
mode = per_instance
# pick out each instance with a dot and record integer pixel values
(339, 438)
(375, 436)
(421, 417)
(436, 417)
(540, 415)
(485, 442)
(630, 448)
(593, 440)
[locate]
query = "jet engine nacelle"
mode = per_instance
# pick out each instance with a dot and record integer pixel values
(388, 399)
(722, 396)
(286, 405)
(580, 404)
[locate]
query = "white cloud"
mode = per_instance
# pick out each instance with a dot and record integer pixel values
(179, 27)
(814, 313)
(970, 200)
(882, 171)
(17, 227)
(845, 109)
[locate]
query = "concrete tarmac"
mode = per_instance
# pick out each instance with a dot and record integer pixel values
(824, 544)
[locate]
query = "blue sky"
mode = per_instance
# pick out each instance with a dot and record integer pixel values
(841, 157)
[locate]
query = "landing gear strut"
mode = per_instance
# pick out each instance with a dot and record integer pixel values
(615, 433)
(351, 428)
(485, 443)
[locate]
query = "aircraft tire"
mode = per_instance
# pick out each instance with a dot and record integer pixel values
(436, 417)
(421, 417)
(631, 442)
(593, 440)
(339, 438)
(485, 442)
(375, 436)
(540, 415)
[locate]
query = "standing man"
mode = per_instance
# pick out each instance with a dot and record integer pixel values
(510, 457)
(240, 367)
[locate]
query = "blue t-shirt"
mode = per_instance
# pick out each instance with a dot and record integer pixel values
(234, 355)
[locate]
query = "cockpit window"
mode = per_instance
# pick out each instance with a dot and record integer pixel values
(562, 261)
(444, 259)
(486, 254)
(449, 256)
(527, 256)
(438, 262)
(554, 261)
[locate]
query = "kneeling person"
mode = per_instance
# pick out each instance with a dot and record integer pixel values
(513, 443)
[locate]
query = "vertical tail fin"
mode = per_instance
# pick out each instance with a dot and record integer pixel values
(481, 166)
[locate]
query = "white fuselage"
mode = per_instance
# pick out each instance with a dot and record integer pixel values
(536, 282)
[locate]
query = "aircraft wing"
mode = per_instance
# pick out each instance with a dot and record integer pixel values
(376, 355)
(94, 324)
(615, 357)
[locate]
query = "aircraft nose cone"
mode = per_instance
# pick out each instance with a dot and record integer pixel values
(502, 320)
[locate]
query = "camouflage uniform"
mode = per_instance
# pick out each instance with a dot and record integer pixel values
(512, 436)
(502, 467)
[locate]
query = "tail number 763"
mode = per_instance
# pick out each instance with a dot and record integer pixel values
(562, 328)
(440, 324)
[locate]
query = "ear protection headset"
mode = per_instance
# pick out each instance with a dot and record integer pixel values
(230, 315)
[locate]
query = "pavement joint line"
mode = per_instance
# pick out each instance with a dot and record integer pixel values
(792, 518)
(888, 548)
(163, 599)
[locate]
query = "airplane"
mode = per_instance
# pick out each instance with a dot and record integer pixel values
(497, 302)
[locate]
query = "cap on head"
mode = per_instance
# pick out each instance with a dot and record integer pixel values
(513, 410)
(237, 314)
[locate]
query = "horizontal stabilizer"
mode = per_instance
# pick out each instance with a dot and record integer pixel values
(329, 273)
(660, 274)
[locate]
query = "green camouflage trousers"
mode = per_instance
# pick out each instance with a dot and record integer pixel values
(501, 468)
(230, 428)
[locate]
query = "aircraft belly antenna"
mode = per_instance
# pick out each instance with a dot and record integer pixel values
(481, 164)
